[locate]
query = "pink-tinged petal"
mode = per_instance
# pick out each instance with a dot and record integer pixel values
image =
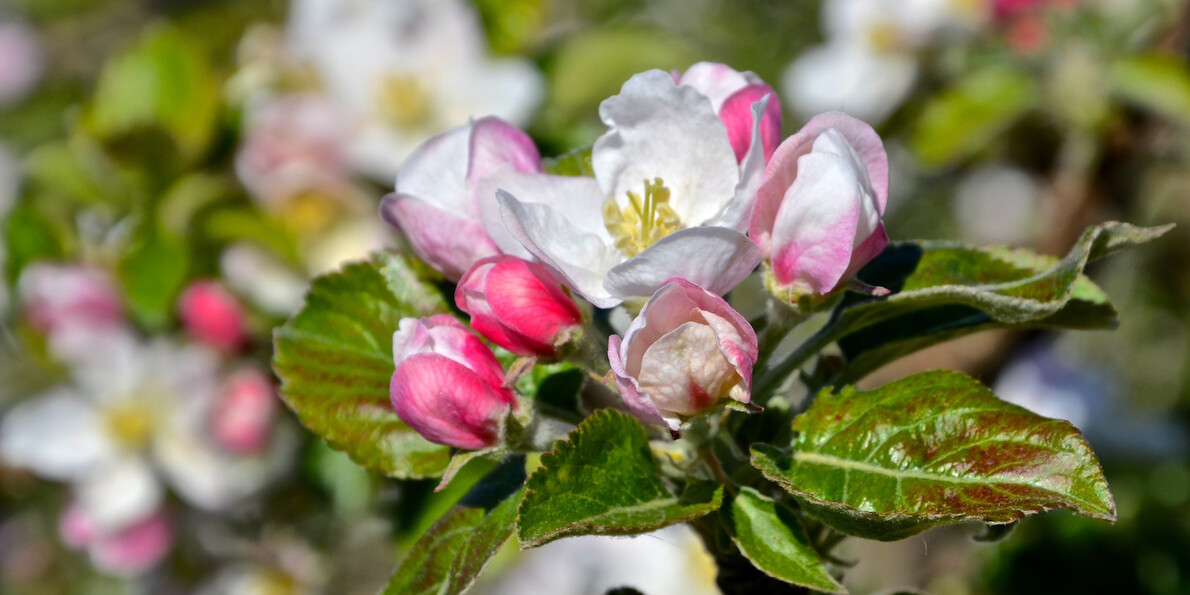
(737, 344)
(58, 297)
(517, 305)
(580, 259)
(449, 243)
(659, 130)
(862, 139)
(867, 250)
(684, 371)
(447, 403)
(576, 199)
(136, 549)
(442, 334)
(437, 172)
(75, 529)
(242, 418)
(737, 214)
(716, 81)
(495, 144)
(639, 404)
(118, 492)
(211, 314)
(814, 235)
(736, 114)
(716, 258)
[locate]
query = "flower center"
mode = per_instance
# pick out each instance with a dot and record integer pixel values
(130, 425)
(404, 101)
(885, 37)
(643, 221)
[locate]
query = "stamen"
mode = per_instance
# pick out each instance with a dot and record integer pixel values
(643, 221)
(404, 101)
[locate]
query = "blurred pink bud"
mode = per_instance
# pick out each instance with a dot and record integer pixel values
(213, 315)
(243, 415)
(437, 200)
(732, 94)
(518, 305)
(448, 385)
(22, 62)
(126, 551)
(292, 145)
(687, 350)
(818, 213)
(61, 297)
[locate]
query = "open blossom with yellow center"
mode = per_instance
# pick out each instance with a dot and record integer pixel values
(669, 198)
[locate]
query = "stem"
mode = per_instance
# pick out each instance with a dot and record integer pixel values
(771, 379)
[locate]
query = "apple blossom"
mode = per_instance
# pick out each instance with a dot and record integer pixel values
(687, 350)
(817, 215)
(732, 94)
(668, 199)
(447, 384)
(125, 551)
(403, 70)
(211, 314)
(437, 202)
(243, 415)
(518, 305)
(57, 297)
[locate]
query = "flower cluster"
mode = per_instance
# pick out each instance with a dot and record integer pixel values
(691, 191)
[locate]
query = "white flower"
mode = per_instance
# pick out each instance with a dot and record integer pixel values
(407, 69)
(135, 409)
(669, 199)
(868, 64)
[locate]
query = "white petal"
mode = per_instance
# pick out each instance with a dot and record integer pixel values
(581, 258)
(577, 199)
(120, 493)
(716, 81)
(59, 435)
(737, 213)
(848, 78)
(212, 479)
(660, 130)
(716, 258)
(437, 172)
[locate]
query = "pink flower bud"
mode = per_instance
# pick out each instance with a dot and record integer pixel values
(686, 351)
(60, 297)
(437, 199)
(517, 304)
(213, 315)
(125, 551)
(448, 385)
(242, 418)
(817, 216)
(732, 94)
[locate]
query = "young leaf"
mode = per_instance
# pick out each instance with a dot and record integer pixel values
(944, 290)
(933, 449)
(334, 358)
(456, 549)
(969, 115)
(602, 481)
(771, 536)
(574, 163)
(1155, 81)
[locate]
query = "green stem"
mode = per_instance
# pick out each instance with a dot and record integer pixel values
(771, 379)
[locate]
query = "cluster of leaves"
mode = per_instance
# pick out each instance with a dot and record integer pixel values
(773, 489)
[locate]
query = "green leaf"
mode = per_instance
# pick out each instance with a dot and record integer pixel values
(967, 117)
(334, 359)
(575, 163)
(152, 275)
(455, 550)
(602, 481)
(164, 81)
(933, 449)
(772, 538)
(1157, 82)
(944, 290)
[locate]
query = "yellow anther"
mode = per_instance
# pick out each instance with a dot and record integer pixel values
(130, 425)
(885, 37)
(404, 101)
(642, 222)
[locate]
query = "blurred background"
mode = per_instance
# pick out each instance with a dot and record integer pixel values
(172, 172)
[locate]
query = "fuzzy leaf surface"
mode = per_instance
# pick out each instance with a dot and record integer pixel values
(933, 449)
(334, 358)
(602, 480)
(943, 290)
